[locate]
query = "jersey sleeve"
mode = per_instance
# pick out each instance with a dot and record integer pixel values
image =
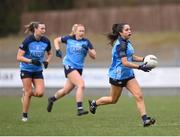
(90, 46)
(64, 39)
(24, 45)
(49, 46)
(121, 49)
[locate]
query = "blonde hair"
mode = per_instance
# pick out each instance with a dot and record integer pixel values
(31, 26)
(74, 28)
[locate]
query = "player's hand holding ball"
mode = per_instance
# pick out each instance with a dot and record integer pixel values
(144, 67)
(150, 62)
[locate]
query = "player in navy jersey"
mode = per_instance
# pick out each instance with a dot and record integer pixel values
(121, 72)
(34, 53)
(77, 47)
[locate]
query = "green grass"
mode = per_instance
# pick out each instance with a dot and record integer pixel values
(111, 120)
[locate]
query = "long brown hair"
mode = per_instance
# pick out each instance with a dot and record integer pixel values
(116, 28)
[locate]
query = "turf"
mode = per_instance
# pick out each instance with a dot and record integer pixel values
(121, 119)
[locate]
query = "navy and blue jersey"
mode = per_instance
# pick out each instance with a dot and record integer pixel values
(76, 51)
(34, 49)
(117, 70)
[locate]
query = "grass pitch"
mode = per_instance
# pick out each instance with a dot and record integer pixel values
(121, 119)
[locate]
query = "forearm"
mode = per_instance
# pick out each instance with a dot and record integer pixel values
(131, 65)
(49, 56)
(57, 43)
(138, 58)
(92, 53)
(23, 59)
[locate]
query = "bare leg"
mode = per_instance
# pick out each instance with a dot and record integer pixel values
(39, 87)
(78, 81)
(59, 94)
(135, 89)
(115, 93)
(68, 87)
(27, 86)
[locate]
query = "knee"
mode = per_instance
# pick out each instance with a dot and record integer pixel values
(28, 93)
(113, 101)
(81, 86)
(66, 91)
(139, 98)
(40, 94)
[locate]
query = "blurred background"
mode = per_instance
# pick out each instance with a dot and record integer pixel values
(155, 25)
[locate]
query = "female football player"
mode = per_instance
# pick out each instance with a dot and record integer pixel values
(31, 55)
(121, 72)
(77, 48)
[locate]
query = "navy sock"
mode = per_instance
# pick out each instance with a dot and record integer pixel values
(79, 106)
(144, 117)
(25, 115)
(53, 98)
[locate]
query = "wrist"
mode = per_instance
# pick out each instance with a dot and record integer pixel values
(139, 67)
(30, 61)
(143, 59)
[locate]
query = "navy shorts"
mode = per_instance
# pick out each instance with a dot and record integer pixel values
(69, 69)
(120, 83)
(33, 75)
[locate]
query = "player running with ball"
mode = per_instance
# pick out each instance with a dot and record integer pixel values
(121, 72)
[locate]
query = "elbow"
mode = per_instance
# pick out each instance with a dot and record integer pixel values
(18, 58)
(55, 40)
(126, 64)
(93, 56)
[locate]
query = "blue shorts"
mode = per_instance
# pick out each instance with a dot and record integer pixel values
(33, 75)
(120, 83)
(69, 69)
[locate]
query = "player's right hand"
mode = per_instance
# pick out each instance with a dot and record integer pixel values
(36, 62)
(59, 53)
(144, 68)
(45, 63)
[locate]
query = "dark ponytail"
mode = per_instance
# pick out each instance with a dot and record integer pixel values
(31, 26)
(116, 28)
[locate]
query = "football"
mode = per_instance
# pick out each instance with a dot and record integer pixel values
(151, 61)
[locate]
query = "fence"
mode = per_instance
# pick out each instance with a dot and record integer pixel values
(141, 18)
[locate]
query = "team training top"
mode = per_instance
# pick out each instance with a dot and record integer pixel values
(121, 48)
(34, 49)
(76, 51)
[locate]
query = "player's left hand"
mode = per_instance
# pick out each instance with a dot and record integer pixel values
(144, 68)
(45, 63)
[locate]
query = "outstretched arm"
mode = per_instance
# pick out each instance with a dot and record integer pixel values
(126, 63)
